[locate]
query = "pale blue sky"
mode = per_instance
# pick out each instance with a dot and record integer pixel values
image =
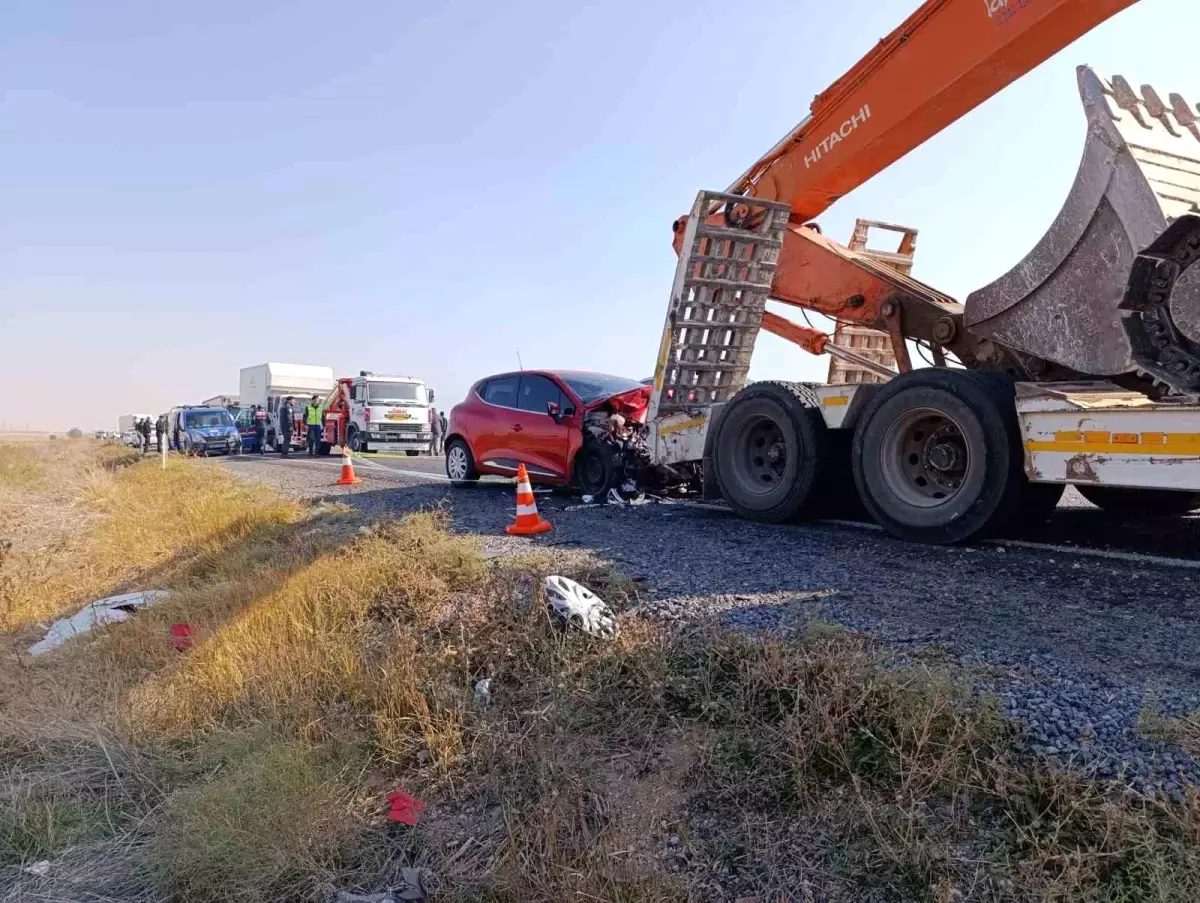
(429, 188)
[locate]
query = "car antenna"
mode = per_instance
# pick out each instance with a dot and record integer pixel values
(520, 366)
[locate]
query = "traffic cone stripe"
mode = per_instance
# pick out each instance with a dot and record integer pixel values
(528, 520)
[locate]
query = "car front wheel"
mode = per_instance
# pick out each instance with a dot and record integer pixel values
(460, 464)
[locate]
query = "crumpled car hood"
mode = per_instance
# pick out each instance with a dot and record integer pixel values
(632, 405)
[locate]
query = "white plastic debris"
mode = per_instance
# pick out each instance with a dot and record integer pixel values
(418, 884)
(41, 869)
(580, 607)
(111, 610)
(588, 499)
(614, 497)
(629, 486)
(483, 691)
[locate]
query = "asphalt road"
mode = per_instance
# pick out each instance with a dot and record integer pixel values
(1076, 625)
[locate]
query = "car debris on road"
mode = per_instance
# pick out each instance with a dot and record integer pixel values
(579, 607)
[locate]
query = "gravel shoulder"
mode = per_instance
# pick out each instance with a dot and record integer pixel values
(1078, 648)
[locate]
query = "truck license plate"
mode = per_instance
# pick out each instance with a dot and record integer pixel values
(397, 415)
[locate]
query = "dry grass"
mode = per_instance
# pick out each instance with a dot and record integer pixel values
(332, 666)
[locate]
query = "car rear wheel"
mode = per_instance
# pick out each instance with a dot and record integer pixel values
(460, 464)
(411, 452)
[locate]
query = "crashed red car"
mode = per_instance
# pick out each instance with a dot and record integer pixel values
(568, 427)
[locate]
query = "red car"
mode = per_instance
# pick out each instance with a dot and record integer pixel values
(559, 423)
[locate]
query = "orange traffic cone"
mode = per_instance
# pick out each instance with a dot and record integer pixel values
(528, 520)
(347, 478)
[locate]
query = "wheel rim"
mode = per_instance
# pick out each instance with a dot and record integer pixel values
(456, 463)
(924, 457)
(760, 455)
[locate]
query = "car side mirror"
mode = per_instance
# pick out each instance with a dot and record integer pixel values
(554, 411)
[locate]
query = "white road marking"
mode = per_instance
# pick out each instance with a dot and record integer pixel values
(1110, 554)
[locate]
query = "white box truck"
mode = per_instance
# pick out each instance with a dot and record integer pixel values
(269, 384)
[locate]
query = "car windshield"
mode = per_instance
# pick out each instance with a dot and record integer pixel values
(594, 386)
(202, 420)
(397, 393)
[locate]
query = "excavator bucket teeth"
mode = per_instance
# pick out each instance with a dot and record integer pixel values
(1105, 291)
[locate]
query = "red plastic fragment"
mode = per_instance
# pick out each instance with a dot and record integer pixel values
(183, 636)
(406, 809)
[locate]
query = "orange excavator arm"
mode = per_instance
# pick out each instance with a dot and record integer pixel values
(946, 59)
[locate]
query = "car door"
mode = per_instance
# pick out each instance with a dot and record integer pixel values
(491, 432)
(542, 441)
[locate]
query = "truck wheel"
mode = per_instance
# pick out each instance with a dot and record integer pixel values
(770, 453)
(595, 470)
(412, 453)
(325, 448)
(937, 456)
(460, 464)
(1141, 502)
(358, 444)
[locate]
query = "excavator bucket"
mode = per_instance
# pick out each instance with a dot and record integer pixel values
(1106, 291)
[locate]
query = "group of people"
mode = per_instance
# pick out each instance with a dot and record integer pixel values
(143, 428)
(314, 425)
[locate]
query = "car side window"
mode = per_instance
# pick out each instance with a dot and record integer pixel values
(536, 392)
(502, 391)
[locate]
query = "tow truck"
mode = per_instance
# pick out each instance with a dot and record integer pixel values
(370, 412)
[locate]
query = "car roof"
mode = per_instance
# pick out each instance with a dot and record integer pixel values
(561, 374)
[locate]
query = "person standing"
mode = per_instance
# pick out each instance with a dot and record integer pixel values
(435, 432)
(259, 423)
(160, 430)
(144, 429)
(287, 419)
(313, 413)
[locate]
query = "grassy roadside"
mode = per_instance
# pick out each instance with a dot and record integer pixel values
(334, 664)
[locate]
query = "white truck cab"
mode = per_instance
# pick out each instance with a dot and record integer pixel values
(384, 412)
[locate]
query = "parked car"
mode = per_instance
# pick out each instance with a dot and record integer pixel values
(202, 430)
(558, 423)
(243, 418)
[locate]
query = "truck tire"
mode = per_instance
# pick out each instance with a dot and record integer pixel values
(358, 444)
(1141, 502)
(937, 456)
(325, 448)
(770, 453)
(460, 464)
(412, 453)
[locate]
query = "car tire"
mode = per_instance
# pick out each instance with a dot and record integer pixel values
(460, 464)
(595, 469)
(410, 453)
(358, 445)
(1140, 503)
(937, 456)
(770, 455)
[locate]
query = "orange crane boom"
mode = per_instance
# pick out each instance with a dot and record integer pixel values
(946, 59)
